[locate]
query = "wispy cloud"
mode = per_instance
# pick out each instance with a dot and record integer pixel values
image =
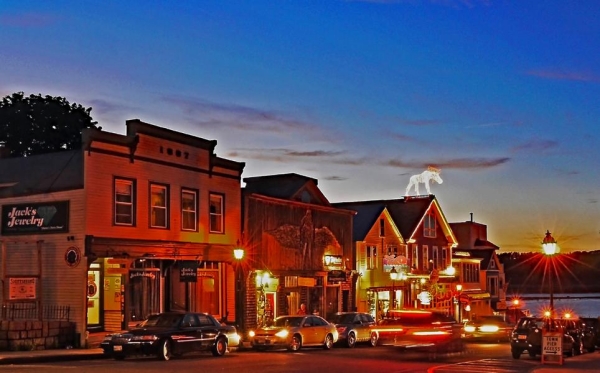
(106, 107)
(206, 113)
(535, 146)
(335, 178)
(456, 163)
(577, 76)
(289, 155)
(28, 20)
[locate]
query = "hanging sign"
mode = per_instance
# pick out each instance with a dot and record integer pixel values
(188, 271)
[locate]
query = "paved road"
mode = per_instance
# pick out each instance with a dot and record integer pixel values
(477, 358)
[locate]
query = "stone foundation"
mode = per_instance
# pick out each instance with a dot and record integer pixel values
(29, 335)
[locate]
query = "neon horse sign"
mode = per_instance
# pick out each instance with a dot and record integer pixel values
(431, 174)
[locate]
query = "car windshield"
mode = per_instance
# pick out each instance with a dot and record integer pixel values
(164, 320)
(344, 318)
(287, 321)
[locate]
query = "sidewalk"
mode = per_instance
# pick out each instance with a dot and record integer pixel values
(587, 362)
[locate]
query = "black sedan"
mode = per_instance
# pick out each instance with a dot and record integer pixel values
(171, 334)
(488, 328)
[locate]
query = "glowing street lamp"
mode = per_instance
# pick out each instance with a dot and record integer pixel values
(238, 255)
(515, 303)
(550, 248)
(394, 277)
(459, 289)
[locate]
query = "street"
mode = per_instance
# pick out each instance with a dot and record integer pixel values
(477, 357)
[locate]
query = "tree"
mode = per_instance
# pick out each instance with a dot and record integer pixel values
(41, 124)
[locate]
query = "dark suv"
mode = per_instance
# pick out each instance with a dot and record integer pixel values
(592, 330)
(527, 336)
(576, 329)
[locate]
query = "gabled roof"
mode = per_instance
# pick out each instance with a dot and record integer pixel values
(407, 213)
(44, 173)
(486, 255)
(285, 186)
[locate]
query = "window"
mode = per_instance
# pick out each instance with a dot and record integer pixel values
(216, 213)
(124, 201)
(445, 257)
(371, 257)
(436, 258)
(429, 225)
(158, 206)
(189, 210)
(425, 257)
(381, 228)
(415, 256)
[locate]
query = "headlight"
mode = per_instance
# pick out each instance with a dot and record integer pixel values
(282, 334)
(144, 338)
(489, 328)
(251, 333)
(469, 328)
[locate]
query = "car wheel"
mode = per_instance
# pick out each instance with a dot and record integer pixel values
(328, 342)
(351, 340)
(164, 353)
(220, 347)
(373, 339)
(516, 353)
(295, 344)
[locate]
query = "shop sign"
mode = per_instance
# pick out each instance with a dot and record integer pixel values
(22, 288)
(188, 271)
(306, 281)
(140, 274)
(334, 277)
(35, 218)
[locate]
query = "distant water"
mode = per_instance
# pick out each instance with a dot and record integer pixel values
(582, 307)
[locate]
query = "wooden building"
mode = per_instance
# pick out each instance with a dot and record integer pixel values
(403, 249)
(299, 249)
(143, 222)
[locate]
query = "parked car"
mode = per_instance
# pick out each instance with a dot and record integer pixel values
(354, 327)
(294, 332)
(592, 329)
(419, 328)
(171, 334)
(527, 336)
(489, 328)
(584, 340)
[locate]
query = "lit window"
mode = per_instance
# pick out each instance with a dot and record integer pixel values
(429, 225)
(371, 257)
(158, 205)
(188, 210)
(124, 202)
(216, 213)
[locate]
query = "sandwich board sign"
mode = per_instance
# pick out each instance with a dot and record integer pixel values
(552, 352)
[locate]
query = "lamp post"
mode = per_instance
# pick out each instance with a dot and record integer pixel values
(515, 303)
(238, 254)
(394, 277)
(459, 288)
(550, 249)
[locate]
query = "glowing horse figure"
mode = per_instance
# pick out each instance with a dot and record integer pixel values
(424, 177)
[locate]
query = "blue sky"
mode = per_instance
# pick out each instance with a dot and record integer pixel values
(502, 96)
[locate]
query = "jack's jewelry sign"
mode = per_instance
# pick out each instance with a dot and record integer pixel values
(35, 218)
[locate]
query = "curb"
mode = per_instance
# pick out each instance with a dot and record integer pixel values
(46, 358)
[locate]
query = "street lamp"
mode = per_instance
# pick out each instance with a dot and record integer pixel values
(394, 277)
(459, 288)
(238, 254)
(515, 303)
(550, 249)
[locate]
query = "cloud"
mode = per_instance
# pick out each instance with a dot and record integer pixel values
(456, 163)
(106, 107)
(535, 146)
(28, 20)
(238, 116)
(289, 155)
(335, 178)
(565, 75)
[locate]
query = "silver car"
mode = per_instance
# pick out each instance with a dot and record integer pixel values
(354, 327)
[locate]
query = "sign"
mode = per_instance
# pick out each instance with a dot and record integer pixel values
(334, 277)
(188, 271)
(35, 218)
(424, 297)
(552, 347)
(306, 281)
(22, 288)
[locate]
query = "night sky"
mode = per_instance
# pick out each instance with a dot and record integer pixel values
(502, 96)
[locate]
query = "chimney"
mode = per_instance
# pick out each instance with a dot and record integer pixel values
(471, 216)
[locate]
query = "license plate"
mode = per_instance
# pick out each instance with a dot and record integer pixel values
(522, 337)
(117, 348)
